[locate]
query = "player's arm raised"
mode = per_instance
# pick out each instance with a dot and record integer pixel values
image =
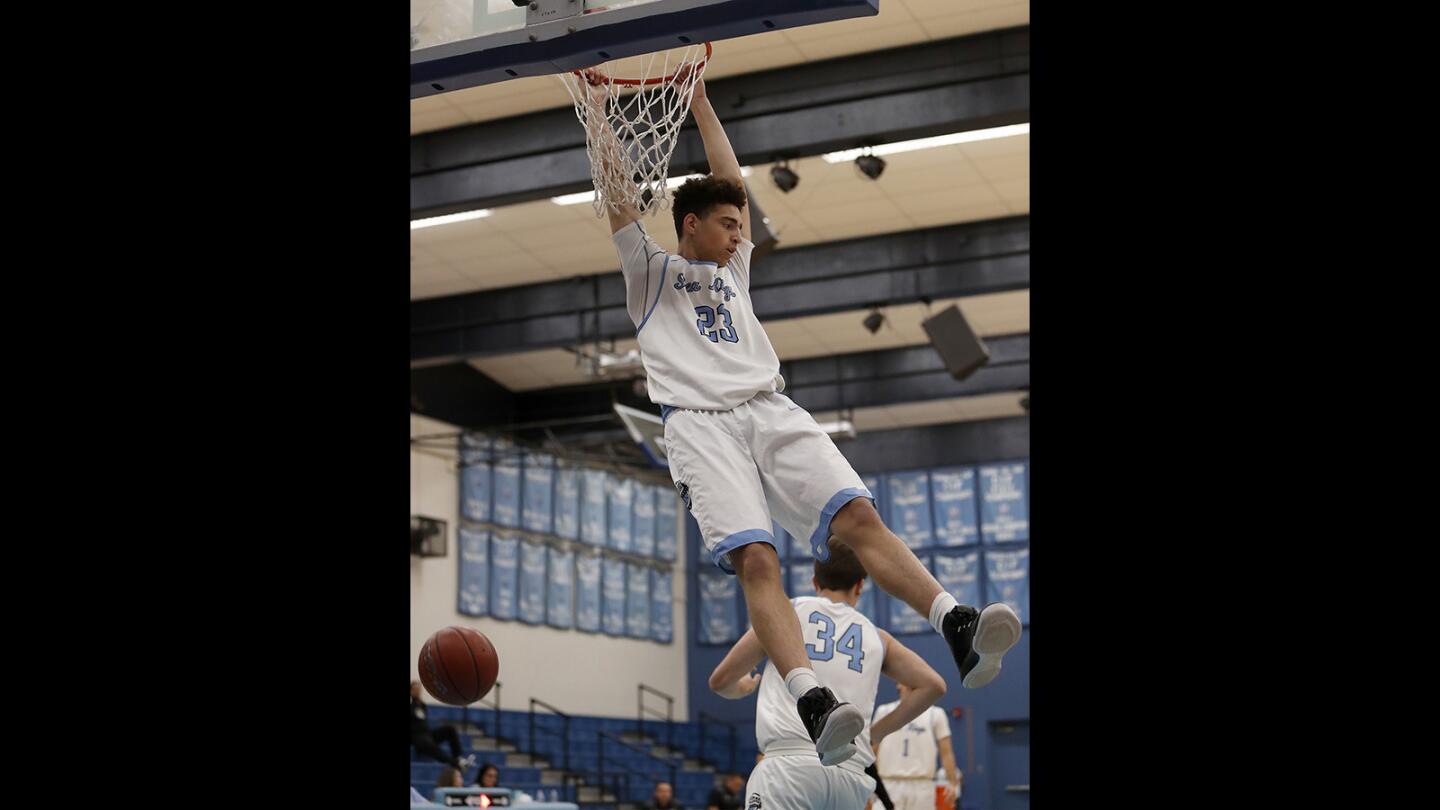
(733, 677)
(595, 100)
(718, 151)
(903, 666)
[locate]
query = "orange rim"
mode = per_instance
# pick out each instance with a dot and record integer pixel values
(647, 82)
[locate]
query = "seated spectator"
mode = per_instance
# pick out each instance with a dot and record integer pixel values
(664, 798)
(489, 776)
(449, 777)
(729, 796)
(424, 738)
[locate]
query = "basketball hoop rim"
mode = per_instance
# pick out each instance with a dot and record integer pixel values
(649, 82)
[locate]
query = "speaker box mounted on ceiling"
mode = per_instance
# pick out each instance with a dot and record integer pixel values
(959, 347)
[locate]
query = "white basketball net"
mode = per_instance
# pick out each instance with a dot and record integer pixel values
(630, 135)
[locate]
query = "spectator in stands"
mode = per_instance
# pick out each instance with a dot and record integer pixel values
(489, 776)
(423, 737)
(729, 796)
(449, 777)
(664, 798)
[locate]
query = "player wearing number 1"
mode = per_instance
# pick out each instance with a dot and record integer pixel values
(741, 451)
(849, 654)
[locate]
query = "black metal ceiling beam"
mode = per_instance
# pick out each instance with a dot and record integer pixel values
(944, 262)
(910, 92)
(456, 393)
(939, 445)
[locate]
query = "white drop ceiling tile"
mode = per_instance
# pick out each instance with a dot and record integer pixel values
(420, 256)
(507, 218)
(932, 412)
(438, 119)
(873, 419)
(582, 258)
(1016, 189)
(890, 16)
(453, 232)
(478, 248)
(882, 222)
(997, 147)
(509, 267)
(442, 288)
(994, 406)
(430, 104)
(863, 41)
(1006, 313)
(433, 274)
(1004, 167)
(729, 62)
(570, 232)
(928, 9)
(987, 19)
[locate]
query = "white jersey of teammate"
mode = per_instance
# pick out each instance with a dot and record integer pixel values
(702, 346)
(847, 653)
(910, 752)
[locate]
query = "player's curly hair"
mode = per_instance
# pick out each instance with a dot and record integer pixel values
(699, 194)
(841, 571)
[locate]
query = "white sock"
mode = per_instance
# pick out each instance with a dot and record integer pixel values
(943, 604)
(800, 680)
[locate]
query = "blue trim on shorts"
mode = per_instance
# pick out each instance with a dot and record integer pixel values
(737, 540)
(665, 411)
(659, 288)
(820, 540)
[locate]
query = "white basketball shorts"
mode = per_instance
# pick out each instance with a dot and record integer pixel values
(788, 781)
(728, 465)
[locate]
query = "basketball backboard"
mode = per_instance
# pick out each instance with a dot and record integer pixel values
(456, 44)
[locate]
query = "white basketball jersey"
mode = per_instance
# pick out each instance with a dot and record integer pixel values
(702, 347)
(911, 751)
(846, 653)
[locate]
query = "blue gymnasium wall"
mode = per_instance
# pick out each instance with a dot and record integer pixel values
(1005, 699)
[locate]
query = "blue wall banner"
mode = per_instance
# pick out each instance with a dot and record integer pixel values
(909, 501)
(475, 477)
(621, 491)
(505, 484)
(952, 490)
(642, 524)
(504, 575)
(1007, 580)
(538, 512)
(474, 571)
(567, 503)
(532, 583)
(661, 606)
(613, 596)
(667, 523)
(903, 619)
(719, 609)
(587, 592)
(592, 507)
(1004, 502)
(960, 575)
(560, 593)
(637, 602)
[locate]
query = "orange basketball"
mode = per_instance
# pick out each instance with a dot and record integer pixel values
(458, 666)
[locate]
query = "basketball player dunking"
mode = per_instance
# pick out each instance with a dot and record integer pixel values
(736, 443)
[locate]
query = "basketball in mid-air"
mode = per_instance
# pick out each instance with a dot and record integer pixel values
(458, 665)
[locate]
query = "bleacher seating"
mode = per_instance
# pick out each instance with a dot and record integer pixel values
(692, 785)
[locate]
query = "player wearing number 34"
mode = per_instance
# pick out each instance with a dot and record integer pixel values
(848, 654)
(740, 451)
